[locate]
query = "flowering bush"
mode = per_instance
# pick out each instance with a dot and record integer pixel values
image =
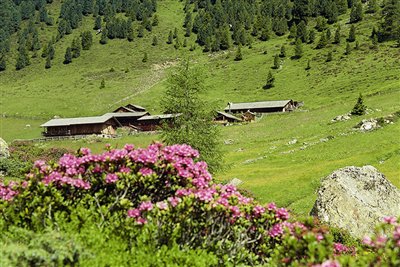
(166, 192)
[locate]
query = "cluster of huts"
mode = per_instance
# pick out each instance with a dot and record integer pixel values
(137, 118)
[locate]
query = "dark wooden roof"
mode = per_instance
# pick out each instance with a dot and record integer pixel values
(230, 116)
(257, 105)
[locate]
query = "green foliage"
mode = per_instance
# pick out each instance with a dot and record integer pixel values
(282, 51)
(155, 41)
(97, 23)
(337, 36)
(87, 40)
(194, 126)
(308, 67)
(68, 56)
(239, 55)
(102, 84)
(170, 38)
(270, 81)
(359, 108)
(298, 49)
(3, 64)
(145, 57)
(322, 41)
(277, 62)
(356, 13)
(48, 63)
(329, 57)
(348, 49)
(352, 34)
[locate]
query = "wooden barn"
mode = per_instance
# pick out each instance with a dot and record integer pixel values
(80, 126)
(224, 118)
(126, 119)
(249, 116)
(261, 107)
(154, 122)
(130, 108)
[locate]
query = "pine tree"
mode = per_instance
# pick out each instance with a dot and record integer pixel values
(321, 24)
(277, 62)
(145, 57)
(293, 31)
(130, 32)
(194, 126)
(104, 38)
(48, 62)
(374, 41)
(372, 6)
(389, 28)
(329, 57)
(170, 38)
(308, 67)
(87, 40)
(102, 84)
(283, 51)
(322, 41)
(328, 35)
(155, 41)
(177, 44)
(76, 48)
(356, 13)
(23, 59)
(68, 56)
(337, 36)
(352, 34)
(155, 20)
(51, 50)
(359, 108)
(175, 33)
(298, 50)
(312, 36)
(302, 32)
(97, 23)
(270, 81)
(3, 64)
(238, 55)
(140, 31)
(348, 49)
(184, 43)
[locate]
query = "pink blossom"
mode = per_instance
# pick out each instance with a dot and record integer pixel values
(111, 178)
(282, 213)
(319, 237)
(381, 240)
(146, 171)
(129, 147)
(396, 233)
(174, 201)
(146, 205)
(85, 151)
(390, 220)
(368, 241)
(276, 230)
(134, 213)
(162, 205)
(271, 206)
(235, 211)
(125, 170)
(258, 210)
(328, 263)
(141, 221)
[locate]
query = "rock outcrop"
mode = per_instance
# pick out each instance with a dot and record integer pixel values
(356, 199)
(4, 153)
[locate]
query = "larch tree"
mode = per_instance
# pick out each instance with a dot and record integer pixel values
(193, 122)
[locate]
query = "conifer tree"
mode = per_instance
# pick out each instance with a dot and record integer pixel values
(102, 84)
(140, 31)
(170, 38)
(321, 24)
(23, 59)
(311, 36)
(177, 44)
(48, 62)
(328, 35)
(175, 33)
(283, 51)
(76, 48)
(194, 126)
(372, 6)
(389, 28)
(348, 49)
(155, 41)
(130, 32)
(277, 62)
(68, 56)
(298, 50)
(356, 13)
(145, 57)
(239, 55)
(329, 57)
(374, 41)
(352, 34)
(184, 43)
(308, 67)
(97, 23)
(337, 36)
(322, 41)
(270, 81)
(155, 20)
(87, 40)
(293, 31)
(359, 108)
(302, 32)
(3, 64)
(104, 37)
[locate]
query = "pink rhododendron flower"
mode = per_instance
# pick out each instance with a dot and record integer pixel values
(174, 201)
(282, 213)
(258, 210)
(134, 213)
(141, 221)
(390, 220)
(162, 205)
(129, 147)
(271, 206)
(85, 151)
(111, 178)
(276, 230)
(146, 205)
(146, 171)
(368, 241)
(328, 263)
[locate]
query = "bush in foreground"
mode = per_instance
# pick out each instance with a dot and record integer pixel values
(163, 197)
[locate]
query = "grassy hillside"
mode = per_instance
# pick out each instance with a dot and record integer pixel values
(260, 154)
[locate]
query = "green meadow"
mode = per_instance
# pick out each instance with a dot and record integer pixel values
(259, 154)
